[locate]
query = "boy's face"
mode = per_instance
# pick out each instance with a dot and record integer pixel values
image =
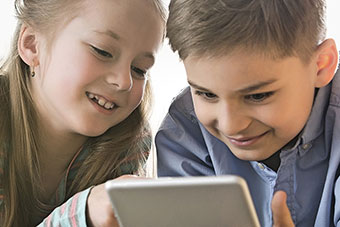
(255, 105)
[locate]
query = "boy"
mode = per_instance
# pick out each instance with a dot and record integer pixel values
(263, 103)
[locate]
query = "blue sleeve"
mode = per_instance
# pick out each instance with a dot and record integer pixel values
(71, 214)
(180, 146)
(337, 203)
(334, 131)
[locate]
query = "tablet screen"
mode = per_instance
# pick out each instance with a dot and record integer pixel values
(183, 201)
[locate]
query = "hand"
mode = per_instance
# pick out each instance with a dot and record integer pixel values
(99, 208)
(281, 214)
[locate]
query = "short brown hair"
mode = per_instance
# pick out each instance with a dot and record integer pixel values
(278, 28)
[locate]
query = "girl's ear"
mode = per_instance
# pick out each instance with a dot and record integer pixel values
(327, 62)
(28, 45)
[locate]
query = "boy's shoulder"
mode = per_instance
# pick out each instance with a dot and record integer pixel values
(181, 112)
(335, 91)
(183, 102)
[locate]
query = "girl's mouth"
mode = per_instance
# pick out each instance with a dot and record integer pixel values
(107, 105)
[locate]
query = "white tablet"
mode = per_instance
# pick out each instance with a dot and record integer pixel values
(183, 202)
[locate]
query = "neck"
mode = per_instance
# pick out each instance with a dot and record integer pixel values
(58, 148)
(56, 152)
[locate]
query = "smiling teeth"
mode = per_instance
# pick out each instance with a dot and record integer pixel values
(101, 101)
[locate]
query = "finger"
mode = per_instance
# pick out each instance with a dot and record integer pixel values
(111, 220)
(281, 213)
(129, 176)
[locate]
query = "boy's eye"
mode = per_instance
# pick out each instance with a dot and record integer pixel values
(260, 97)
(138, 73)
(101, 52)
(206, 95)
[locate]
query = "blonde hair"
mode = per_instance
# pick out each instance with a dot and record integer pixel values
(275, 28)
(127, 142)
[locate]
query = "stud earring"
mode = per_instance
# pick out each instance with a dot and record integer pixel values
(32, 71)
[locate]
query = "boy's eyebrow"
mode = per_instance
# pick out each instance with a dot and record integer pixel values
(242, 90)
(256, 86)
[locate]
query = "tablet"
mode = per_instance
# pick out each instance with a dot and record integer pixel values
(183, 202)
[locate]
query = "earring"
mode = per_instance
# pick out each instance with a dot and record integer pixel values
(32, 71)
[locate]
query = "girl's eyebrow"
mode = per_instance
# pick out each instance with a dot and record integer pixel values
(109, 33)
(115, 36)
(149, 56)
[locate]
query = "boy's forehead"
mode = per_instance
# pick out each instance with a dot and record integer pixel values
(241, 72)
(235, 60)
(247, 59)
(238, 52)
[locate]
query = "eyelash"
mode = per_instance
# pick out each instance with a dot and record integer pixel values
(141, 73)
(263, 97)
(252, 98)
(101, 52)
(206, 95)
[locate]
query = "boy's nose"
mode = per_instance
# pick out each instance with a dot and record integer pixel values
(120, 79)
(232, 121)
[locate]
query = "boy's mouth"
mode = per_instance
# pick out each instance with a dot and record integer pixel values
(246, 141)
(101, 101)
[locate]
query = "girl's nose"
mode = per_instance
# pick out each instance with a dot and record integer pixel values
(120, 79)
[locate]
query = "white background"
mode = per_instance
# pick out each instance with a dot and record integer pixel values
(168, 75)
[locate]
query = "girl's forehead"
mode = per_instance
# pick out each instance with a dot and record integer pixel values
(121, 13)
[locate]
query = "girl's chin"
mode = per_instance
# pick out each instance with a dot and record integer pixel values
(93, 132)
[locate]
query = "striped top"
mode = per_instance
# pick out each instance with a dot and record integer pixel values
(71, 213)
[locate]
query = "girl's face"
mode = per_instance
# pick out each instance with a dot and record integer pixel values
(94, 74)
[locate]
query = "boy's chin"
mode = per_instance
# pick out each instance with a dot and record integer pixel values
(251, 155)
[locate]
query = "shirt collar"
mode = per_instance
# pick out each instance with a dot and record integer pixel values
(315, 124)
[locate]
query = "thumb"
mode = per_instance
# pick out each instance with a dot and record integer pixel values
(281, 213)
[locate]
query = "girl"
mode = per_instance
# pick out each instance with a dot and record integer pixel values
(74, 95)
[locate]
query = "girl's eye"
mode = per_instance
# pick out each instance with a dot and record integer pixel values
(206, 95)
(101, 52)
(260, 97)
(138, 73)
